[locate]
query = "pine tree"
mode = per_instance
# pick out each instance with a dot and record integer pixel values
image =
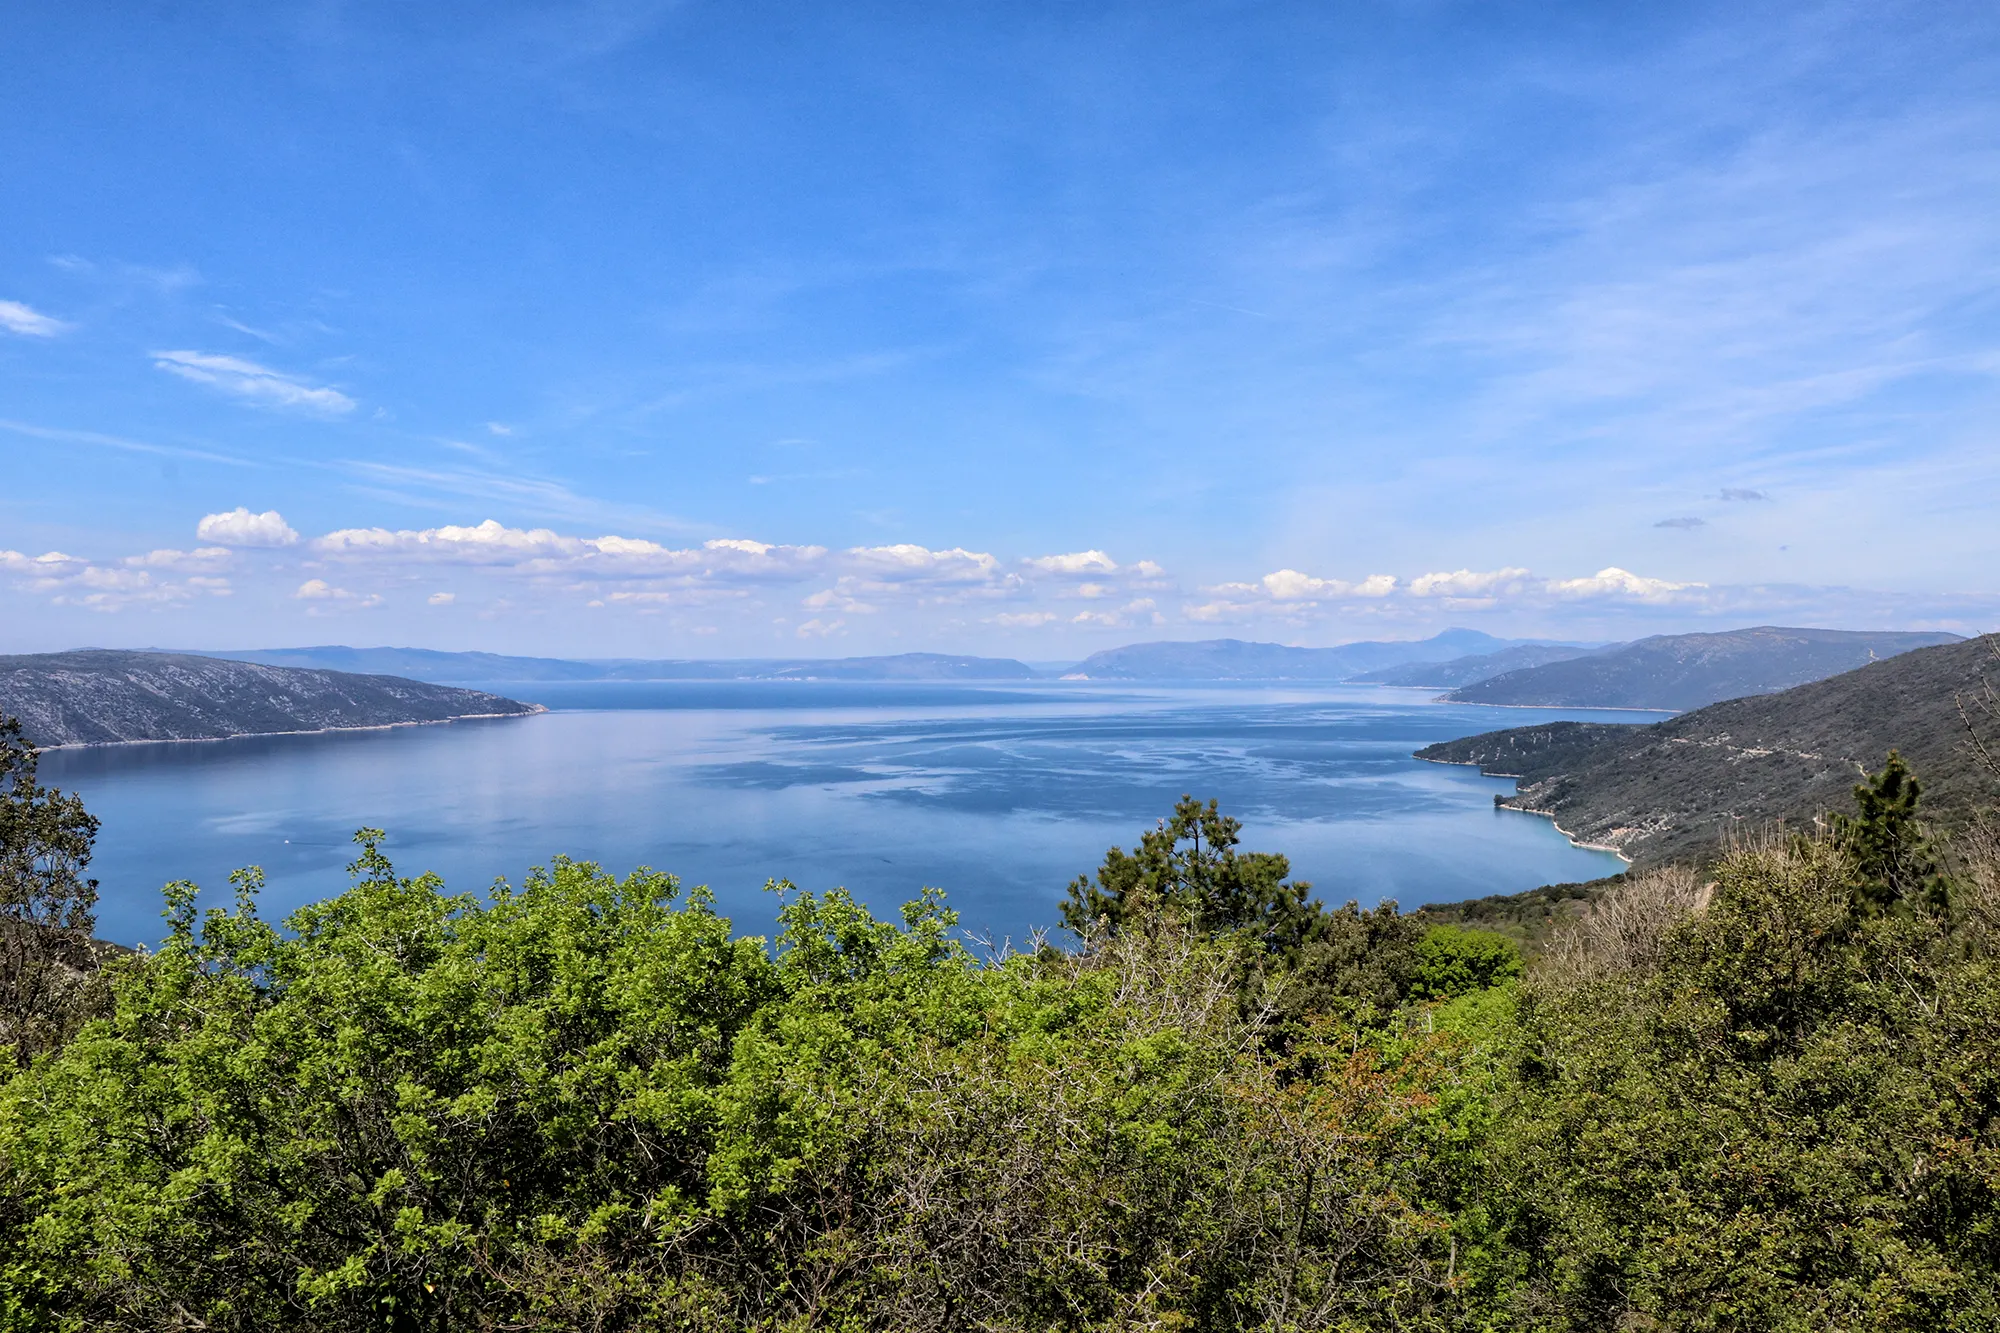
(1189, 863)
(1894, 861)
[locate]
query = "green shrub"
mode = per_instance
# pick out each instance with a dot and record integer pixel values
(1453, 961)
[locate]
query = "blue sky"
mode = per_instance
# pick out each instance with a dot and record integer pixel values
(704, 329)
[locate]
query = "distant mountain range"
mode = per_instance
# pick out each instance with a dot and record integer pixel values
(1466, 670)
(97, 696)
(1675, 672)
(489, 668)
(1234, 659)
(1678, 788)
(1669, 672)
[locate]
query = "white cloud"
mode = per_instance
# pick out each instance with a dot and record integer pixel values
(864, 576)
(1023, 619)
(1288, 592)
(1289, 585)
(95, 587)
(1139, 611)
(1297, 597)
(442, 598)
(1217, 610)
(28, 322)
(1619, 583)
(840, 597)
(1467, 583)
(43, 569)
(488, 543)
(319, 590)
(908, 563)
(543, 551)
(205, 557)
(1487, 587)
(1077, 562)
(820, 629)
(254, 383)
(240, 527)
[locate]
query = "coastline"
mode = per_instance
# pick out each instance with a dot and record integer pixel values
(530, 711)
(1595, 708)
(1574, 841)
(1549, 815)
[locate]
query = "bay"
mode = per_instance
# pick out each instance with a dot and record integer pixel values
(998, 794)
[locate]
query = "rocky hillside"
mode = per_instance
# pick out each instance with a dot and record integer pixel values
(1675, 672)
(1679, 787)
(95, 696)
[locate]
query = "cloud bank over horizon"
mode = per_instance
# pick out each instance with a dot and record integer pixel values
(744, 595)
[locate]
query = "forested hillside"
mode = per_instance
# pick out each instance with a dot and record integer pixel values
(1679, 788)
(1675, 672)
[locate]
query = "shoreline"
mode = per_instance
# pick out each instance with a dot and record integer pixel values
(1592, 708)
(531, 710)
(1574, 841)
(1549, 815)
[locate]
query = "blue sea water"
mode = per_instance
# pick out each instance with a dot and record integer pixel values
(998, 794)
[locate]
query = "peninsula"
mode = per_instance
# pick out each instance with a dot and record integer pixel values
(1681, 788)
(103, 697)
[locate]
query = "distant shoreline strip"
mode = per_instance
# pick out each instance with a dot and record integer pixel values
(529, 711)
(1593, 708)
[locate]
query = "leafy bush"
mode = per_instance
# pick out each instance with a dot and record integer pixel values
(585, 1103)
(1786, 1119)
(1453, 961)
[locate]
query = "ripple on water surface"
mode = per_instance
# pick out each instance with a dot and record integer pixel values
(1000, 796)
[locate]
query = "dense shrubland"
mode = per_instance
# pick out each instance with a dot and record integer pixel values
(1764, 1096)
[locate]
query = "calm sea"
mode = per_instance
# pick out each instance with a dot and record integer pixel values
(999, 795)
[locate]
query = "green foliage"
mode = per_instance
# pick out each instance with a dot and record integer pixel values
(1189, 863)
(352, 1123)
(1762, 1102)
(1452, 961)
(585, 1103)
(1298, 957)
(1352, 962)
(1527, 918)
(1788, 1123)
(1894, 863)
(46, 958)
